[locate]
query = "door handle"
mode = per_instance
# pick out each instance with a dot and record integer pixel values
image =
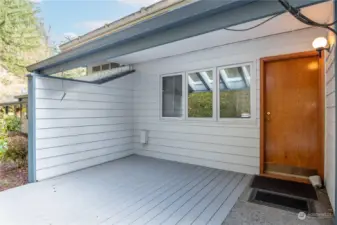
(268, 116)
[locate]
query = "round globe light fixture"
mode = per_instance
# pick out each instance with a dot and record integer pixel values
(320, 43)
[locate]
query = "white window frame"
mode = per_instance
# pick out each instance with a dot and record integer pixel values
(161, 117)
(214, 101)
(252, 93)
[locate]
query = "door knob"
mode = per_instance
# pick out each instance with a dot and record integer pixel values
(268, 116)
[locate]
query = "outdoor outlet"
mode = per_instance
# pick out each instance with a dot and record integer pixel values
(316, 181)
(143, 136)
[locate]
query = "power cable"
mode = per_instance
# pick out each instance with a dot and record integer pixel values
(245, 29)
(297, 14)
(304, 19)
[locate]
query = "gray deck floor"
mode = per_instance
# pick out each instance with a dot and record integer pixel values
(133, 190)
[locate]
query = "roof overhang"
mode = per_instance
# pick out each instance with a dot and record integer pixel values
(143, 14)
(280, 25)
(194, 19)
(4, 104)
(21, 96)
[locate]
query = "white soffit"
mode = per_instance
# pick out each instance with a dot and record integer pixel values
(280, 24)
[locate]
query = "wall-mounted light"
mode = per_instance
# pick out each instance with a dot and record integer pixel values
(320, 44)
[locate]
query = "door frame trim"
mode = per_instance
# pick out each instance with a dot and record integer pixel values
(321, 111)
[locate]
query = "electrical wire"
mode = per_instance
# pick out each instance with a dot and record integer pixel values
(255, 26)
(304, 19)
(297, 14)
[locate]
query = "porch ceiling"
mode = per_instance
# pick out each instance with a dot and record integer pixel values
(133, 190)
(194, 19)
(281, 24)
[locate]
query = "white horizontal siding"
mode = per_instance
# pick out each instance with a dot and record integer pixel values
(80, 156)
(86, 105)
(82, 147)
(73, 131)
(80, 122)
(78, 165)
(330, 141)
(79, 125)
(81, 97)
(211, 139)
(80, 113)
(231, 145)
(43, 143)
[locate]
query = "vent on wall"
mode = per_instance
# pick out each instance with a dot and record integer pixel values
(103, 67)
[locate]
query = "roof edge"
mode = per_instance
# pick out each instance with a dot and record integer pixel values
(168, 20)
(124, 22)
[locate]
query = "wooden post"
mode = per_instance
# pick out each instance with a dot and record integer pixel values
(21, 119)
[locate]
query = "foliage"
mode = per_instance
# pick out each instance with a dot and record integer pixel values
(20, 33)
(3, 137)
(3, 144)
(17, 150)
(200, 104)
(232, 104)
(8, 123)
(74, 73)
(12, 123)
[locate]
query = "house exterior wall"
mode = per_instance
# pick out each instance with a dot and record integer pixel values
(91, 125)
(330, 141)
(230, 145)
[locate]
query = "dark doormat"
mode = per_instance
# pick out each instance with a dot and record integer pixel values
(280, 201)
(284, 187)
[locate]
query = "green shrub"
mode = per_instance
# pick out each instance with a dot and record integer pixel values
(3, 147)
(3, 137)
(17, 150)
(12, 123)
(3, 144)
(232, 104)
(200, 104)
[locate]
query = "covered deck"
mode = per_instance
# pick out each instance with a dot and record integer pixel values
(132, 190)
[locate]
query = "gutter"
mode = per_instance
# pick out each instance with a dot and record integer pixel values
(94, 79)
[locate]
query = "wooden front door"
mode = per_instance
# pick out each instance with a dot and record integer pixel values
(291, 115)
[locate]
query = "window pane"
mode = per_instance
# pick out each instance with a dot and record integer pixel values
(234, 84)
(114, 65)
(172, 98)
(96, 68)
(200, 94)
(210, 75)
(105, 66)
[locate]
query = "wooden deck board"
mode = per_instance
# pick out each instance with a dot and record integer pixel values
(152, 204)
(135, 190)
(129, 200)
(202, 205)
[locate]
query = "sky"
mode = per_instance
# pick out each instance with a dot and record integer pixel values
(71, 18)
